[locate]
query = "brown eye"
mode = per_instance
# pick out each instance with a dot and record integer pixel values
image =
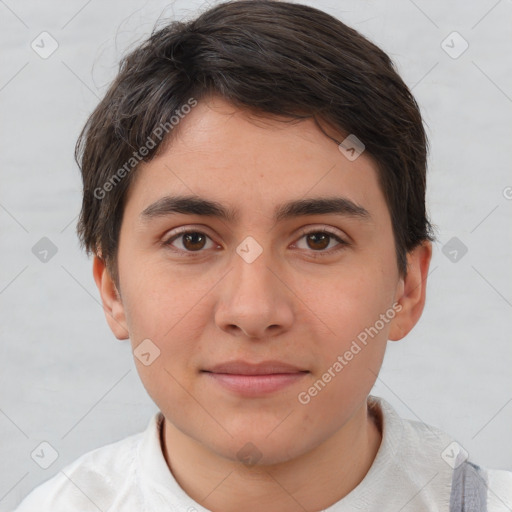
(191, 241)
(194, 241)
(318, 241)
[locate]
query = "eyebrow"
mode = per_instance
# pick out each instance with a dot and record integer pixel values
(195, 205)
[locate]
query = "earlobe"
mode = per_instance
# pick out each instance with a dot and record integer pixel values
(411, 291)
(111, 300)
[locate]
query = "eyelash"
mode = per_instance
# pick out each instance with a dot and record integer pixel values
(315, 254)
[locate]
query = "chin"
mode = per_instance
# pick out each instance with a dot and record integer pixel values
(257, 450)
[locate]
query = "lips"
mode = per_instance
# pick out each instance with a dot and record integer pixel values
(254, 379)
(246, 368)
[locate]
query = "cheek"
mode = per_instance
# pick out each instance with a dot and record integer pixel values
(349, 357)
(349, 302)
(159, 301)
(356, 309)
(167, 310)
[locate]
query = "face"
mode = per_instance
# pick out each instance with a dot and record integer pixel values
(261, 296)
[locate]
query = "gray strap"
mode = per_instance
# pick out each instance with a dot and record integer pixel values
(469, 489)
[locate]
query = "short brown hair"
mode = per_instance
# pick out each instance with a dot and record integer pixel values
(272, 57)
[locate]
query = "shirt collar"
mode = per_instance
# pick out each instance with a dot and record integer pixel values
(391, 464)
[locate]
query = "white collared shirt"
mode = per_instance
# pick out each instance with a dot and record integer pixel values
(418, 468)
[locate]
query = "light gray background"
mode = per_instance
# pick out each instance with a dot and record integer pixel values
(66, 380)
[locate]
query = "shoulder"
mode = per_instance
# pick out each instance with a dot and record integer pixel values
(473, 488)
(424, 453)
(480, 490)
(92, 482)
(499, 490)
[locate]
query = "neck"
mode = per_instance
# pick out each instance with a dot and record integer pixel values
(312, 481)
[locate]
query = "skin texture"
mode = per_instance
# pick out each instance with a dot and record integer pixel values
(210, 306)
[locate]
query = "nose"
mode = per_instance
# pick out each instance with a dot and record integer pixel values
(255, 301)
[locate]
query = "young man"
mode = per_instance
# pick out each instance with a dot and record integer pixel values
(254, 197)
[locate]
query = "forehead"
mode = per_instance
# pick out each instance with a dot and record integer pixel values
(252, 163)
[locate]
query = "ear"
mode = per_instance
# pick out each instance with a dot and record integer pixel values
(411, 291)
(112, 304)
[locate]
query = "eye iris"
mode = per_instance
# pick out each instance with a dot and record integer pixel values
(323, 238)
(192, 238)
